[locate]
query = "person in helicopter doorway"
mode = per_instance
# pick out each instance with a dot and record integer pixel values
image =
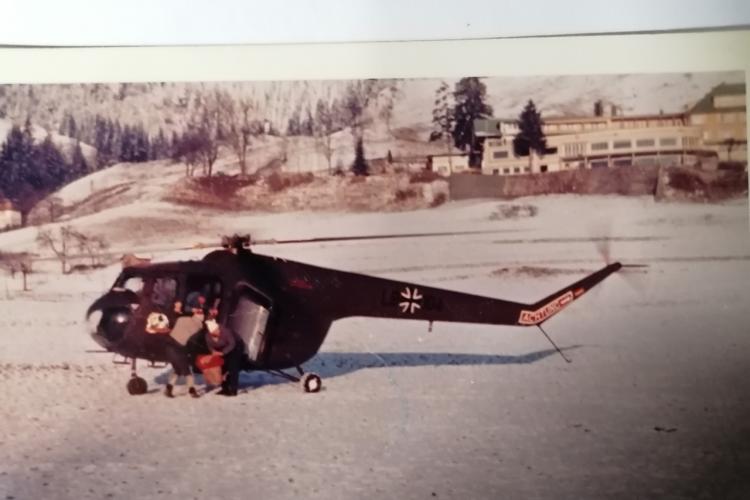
(221, 341)
(188, 324)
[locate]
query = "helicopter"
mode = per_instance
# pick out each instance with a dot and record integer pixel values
(282, 310)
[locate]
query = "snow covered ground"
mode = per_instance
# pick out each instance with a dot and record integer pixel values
(654, 405)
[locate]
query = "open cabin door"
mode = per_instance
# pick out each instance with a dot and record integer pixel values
(249, 318)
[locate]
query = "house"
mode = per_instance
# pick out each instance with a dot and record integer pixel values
(449, 164)
(722, 115)
(9, 216)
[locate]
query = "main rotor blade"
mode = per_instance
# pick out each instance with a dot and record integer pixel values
(330, 239)
(140, 251)
(110, 253)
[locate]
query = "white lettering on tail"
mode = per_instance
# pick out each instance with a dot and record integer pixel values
(547, 310)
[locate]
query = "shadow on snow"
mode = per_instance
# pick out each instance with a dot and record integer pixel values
(334, 364)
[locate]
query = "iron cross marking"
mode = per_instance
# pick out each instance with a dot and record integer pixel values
(412, 300)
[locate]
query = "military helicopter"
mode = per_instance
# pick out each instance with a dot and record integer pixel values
(282, 310)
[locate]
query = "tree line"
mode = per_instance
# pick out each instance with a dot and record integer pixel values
(115, 142)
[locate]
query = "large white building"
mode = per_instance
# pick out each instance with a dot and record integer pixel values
(713, 130)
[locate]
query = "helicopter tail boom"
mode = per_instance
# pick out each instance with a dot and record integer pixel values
(541, 311)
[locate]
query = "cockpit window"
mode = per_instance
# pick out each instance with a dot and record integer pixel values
(164, 292)
(134, 284)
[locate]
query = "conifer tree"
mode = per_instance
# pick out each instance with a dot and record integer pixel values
(78, 165)
(359, 167)
(530, 136)
(470, 95)
(51, 163)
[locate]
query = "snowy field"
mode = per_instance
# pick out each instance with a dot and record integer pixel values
(654, 405)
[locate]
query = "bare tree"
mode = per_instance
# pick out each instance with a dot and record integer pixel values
(324, 128)
(238, 122)
(91, 246)
(70, 239)
(277, 105)
(204, 130)
(15, 263)
(386, 101)
(58, 244)
(359, 96)
(443, 119)
(210, 129)
(187, 149)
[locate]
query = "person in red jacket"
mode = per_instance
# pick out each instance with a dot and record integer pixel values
(221, 341)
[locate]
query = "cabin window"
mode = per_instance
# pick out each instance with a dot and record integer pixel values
(499, 154)
(599, 146)
(668, 141)
(645, 143)
(201, 291)
(164, 292)
(621, 144)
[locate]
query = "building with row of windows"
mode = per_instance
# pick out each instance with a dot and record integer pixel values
(713, 130)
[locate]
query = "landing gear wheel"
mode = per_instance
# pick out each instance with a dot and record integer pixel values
(311, 382)
(136, 386)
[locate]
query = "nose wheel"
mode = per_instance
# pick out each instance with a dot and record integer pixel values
(136, 385)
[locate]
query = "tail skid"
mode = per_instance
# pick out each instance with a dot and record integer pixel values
(543, 310)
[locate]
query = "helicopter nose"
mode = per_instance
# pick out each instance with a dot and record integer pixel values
(110, 316)
(108, 326)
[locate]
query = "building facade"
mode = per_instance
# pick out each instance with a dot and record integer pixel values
(446, 164)
(722, 115)
(715, 129)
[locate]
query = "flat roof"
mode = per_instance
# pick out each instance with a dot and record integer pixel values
(599, 119)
